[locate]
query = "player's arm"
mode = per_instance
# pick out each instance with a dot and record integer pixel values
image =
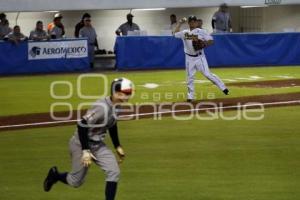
(83, 131)
(90, 119)
(177, 28)
(114, 135)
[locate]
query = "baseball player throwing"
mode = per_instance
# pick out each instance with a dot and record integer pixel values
(194, 41)
(87, 146)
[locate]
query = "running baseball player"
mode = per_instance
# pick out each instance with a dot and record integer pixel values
(194, 41)
(87, 146)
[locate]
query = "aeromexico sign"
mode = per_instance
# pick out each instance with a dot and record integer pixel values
(57, 49)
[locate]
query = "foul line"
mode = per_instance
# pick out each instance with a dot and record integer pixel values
(156, 113)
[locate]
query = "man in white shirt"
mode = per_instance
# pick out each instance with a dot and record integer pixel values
(195, 59)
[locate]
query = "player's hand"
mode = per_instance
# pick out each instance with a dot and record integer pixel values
(87, 158)
(183, 20)
(121, 154)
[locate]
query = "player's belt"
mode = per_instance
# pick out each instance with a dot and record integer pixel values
(193, 55)
(95, 142)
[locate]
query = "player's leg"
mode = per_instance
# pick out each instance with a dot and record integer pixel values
(190, 77)
(108, 163)
(202, 66)
(76, 177)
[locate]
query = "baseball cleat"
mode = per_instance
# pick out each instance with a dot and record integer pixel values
(51, 179)
(226, 91)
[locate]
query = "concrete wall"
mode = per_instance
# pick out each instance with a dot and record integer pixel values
(277, 18)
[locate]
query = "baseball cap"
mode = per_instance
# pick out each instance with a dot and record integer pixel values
(129, 15)
(58, 15)
(123, 85)
(192, 18)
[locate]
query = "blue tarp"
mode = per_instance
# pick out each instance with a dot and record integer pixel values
(14, 60)
(148, 52)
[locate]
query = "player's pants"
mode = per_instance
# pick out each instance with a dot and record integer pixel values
(199, 63)
(106, 160)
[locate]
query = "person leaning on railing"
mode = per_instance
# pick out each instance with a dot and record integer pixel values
(39, 33)
(16, 36)
(56, 29)
(127, 26)
(80, 24)
(4, 28)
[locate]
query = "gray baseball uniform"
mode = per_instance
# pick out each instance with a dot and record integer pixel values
(37, 34)
(124, 28)
(91, 34)
(222, 20)
(99, 118)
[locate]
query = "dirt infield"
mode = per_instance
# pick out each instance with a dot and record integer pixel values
(154, 110)
(269, 84)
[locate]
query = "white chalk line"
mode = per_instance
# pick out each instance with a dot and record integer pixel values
(157, 113)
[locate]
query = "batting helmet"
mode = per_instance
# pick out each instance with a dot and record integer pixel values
(122, 85)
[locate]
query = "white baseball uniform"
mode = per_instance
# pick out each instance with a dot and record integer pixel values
(196, 60)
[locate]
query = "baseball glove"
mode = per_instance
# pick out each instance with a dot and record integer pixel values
(198, 44)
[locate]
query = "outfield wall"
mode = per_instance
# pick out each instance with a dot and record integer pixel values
(259, 49)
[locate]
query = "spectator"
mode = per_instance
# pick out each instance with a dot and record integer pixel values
(199, 23)
(128, 26)
(80, 24)
(89, 32)
(2, 17)
(4, 28)
(56, 29)
(38, 33)
(174, 23)
(221, 21)
(16, 36)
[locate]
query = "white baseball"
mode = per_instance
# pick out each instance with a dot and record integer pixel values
(183, 20)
